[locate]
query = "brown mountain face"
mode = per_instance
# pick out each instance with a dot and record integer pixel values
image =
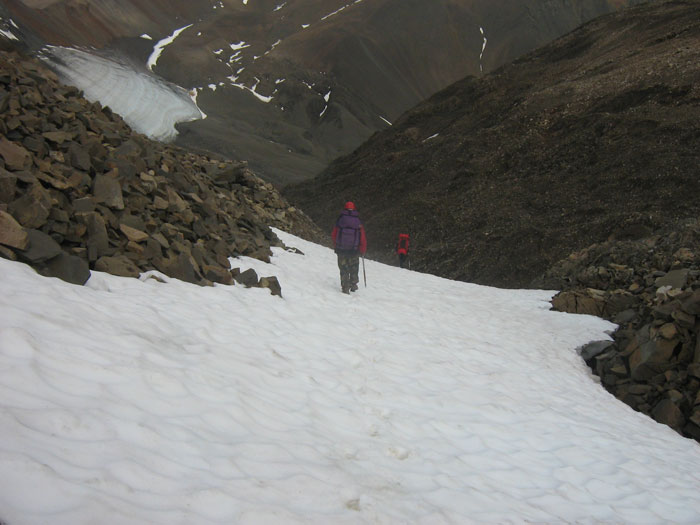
(337, 70)
(592, 137)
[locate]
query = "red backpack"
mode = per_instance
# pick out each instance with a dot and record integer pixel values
(402, 245)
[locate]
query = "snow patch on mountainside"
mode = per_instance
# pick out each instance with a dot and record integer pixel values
(147, 103)
(5, 29)
(158, 48)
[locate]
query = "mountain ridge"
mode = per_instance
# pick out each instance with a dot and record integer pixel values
(372, 59)
(498, 178)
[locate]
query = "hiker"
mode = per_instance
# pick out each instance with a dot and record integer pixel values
(349, 242)
(402, 249)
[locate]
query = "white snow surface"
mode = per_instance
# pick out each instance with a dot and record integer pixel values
(414, 400)
(146, 102)
(162, 44)
(483, 48)
(7, 33)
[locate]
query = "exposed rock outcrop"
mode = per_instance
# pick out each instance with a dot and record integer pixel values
(79, 191)
(651, 289)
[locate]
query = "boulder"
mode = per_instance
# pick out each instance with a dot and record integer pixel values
(675, 279)
(107, 190)
(579, 302)
(84, 205)
(98, 240)
(217, 274)
(180, 266)
(8, 186)
(594, 348)
(12, 233)
(15, 156)
(69, 268)
(133, 234)
(79, 158)
(691, 305)
(247, 278)
(651, 356)
(57, 137)
(32, 209)
(668, 413)
(272, 283)
(41, 247)
(117, 265)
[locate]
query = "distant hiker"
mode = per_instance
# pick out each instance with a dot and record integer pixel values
(402, 249)
(349, 242)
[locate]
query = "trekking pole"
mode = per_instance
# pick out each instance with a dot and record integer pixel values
(364, 272)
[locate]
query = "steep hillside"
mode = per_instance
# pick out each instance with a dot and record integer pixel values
(289, 86)
(591, 137)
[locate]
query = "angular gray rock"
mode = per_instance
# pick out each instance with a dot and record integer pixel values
(108, 191)
(41, 247)
(69, 268)
(248, 278)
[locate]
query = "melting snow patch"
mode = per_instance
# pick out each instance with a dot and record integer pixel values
(194, 93)
(147, 103)
(430, 137)
(385, 120)
(252, 90)
(333, 13)
(339, 10)
(146, 36)
(483, 47)
(158, 48)
(6, 32)
(8, 35)
(277, 8)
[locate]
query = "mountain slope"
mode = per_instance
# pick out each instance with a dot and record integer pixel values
(592, 136)
(336, 70)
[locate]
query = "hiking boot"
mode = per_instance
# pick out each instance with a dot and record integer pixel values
(353, 288)
(346, 290)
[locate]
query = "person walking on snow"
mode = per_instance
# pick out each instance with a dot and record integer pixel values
(349, 242)
(402, 249)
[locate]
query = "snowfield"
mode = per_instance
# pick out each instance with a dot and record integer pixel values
(414, 400)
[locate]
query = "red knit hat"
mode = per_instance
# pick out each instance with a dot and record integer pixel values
(349, 205)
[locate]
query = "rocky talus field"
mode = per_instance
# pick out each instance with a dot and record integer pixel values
(649, 287)
(80, 191)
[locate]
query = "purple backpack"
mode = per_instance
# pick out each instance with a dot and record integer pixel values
(348, 237)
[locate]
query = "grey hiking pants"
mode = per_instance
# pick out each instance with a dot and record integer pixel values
(349, 265)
